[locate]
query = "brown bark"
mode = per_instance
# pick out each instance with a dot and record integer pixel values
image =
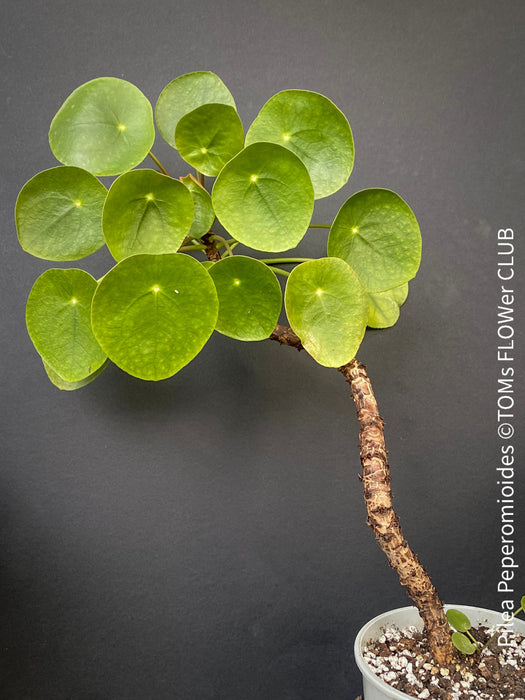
(384, 521)
(211, 247)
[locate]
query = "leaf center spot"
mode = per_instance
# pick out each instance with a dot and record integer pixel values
(77, 203)
(236, 282)
(155, 288)
(150, 197)
(355, 229)
(74, 301)
(319, 291)
(254, 178)
(121, 127)
(204, 150)
(286, 137)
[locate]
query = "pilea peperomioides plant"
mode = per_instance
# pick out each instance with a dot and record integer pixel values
(156, 308)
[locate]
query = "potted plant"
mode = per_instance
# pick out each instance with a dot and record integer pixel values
(175, 280)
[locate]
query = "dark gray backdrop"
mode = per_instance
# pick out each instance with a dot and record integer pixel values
(204, 537)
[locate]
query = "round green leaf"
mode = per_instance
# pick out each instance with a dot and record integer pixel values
(264, 197)
(152, 314)
(383, 307)
(327, 308)
(58, 214)
(458, 620)
(146, 212)
(204, 215)
(522, 603)
(209, 136)
(312, 127)
(105, 126)
(377, 234)
(250, 298)
(183, 95)
(463, 644)
(58, 317)
(61, 383)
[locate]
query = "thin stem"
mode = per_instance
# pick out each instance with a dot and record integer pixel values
(224, 242)
(279, 271)
(158, 163)
(319, 226)
(200, 177)
(284, 261)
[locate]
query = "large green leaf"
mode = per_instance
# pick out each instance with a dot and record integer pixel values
(383, 307)
(209, 136)
(146, 212)
(314, 129)
(327, 308)
(183, 95)
(250, 298)
(264, 197)
(61, 383)
(58, 214)
(105, 126)
(152, 314)
(58, 317)
(204, 215)
(377, 234)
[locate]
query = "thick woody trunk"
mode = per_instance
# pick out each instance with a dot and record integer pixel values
(383, 520)
(378, 498)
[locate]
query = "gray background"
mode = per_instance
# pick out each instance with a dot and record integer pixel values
(203, 537)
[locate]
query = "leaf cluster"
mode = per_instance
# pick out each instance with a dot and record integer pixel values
(155, 309)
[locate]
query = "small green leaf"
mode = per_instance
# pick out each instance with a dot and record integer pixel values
(312, 127)
(523, 603)
(264, 197)
(152, 314)
(383, 307)
(327, 308)
(58, 214)
(377, 234)
(250, 298)
(105, 126)
(458, 620)
(146, 212)
(463, 644)
(58, 321)
(183, 95)
(60, 383)
(209, 136)
(204, 215)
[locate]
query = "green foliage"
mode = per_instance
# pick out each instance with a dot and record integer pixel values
(183, 95)
(264, 197)
(146, 212)
(313, 128)
(377, 234)
(209, 137)
(383, 307)
(250, 298)
(153, 312)
(327, 308)
(58, 214)
(58, 318)
(458, 620)
(105, 126)
(204, 215)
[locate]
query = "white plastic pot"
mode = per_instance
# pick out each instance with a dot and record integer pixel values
(376, 689)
